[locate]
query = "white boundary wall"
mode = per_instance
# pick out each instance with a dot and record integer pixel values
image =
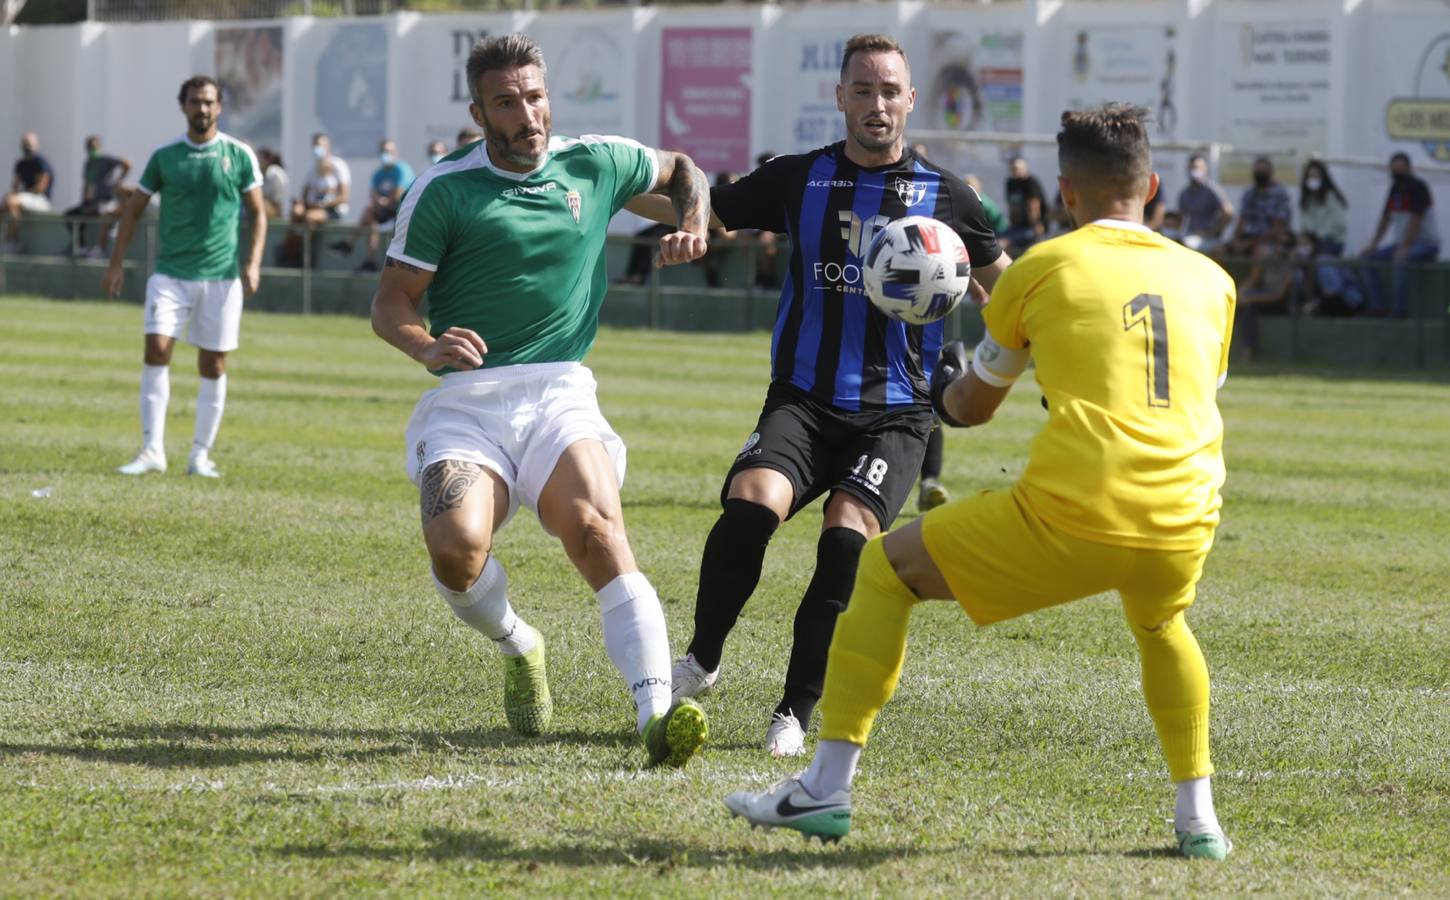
(1332, 70)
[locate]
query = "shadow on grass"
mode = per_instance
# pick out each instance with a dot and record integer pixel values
(447, 844)
(204, 746)
(1164, 852)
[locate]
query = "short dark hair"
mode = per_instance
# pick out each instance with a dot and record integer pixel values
(1106, 146)
(501, 51)
(1400, 156)
(1196, 157)
(870, 43)
(195, 82)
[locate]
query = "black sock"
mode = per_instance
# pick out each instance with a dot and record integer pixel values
(931, 463)
(729, 571)
(837, 554)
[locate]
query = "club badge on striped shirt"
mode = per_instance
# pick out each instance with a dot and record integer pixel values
(575, 203)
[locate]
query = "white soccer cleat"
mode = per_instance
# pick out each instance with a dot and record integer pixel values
(147, 460)
(689, 679)
(201, 465)
(788, 805)
(785, 737)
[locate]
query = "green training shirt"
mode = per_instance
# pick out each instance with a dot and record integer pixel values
(519, 258)
(201, 189)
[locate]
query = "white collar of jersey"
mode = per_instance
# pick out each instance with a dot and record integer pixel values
(554, 144)
(1123, 224)
(191, 143)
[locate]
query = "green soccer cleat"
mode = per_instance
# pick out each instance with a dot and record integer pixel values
(672, 738)
(526, 700)
(1204, 844)
(788, 805)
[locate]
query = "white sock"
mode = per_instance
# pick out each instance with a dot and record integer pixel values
(832, 769)
(637, 641)
(1194, 806)
(211, 399)
(485, 608)
(155, 394)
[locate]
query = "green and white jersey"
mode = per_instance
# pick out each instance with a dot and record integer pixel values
(519, 257)
(201, 189)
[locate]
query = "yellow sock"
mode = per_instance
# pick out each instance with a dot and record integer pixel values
(1175, 684)
(867, 650)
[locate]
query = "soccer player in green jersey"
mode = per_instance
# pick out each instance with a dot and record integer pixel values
(203, 178)
(506, 236)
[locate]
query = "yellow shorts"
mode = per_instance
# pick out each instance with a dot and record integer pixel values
(1002, 561)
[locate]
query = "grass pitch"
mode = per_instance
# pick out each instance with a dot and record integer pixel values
(249, 688)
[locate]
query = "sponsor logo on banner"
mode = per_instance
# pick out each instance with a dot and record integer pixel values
(1425, 117)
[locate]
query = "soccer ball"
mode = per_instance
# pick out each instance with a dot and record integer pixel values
(916, 270)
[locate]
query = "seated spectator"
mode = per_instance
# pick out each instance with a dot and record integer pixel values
(1026, 222)
(467, 136)
(1408, 221)
(101, 195)
(1264, 212)
(274, 182)
(436, 151)
(1329, 289)
(391, 180)
(720, 241)
(1203, 209)
(324, 198)
(1322, 209)
(29, 188)
(1266, 290)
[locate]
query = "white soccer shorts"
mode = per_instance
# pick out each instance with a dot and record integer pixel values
(515, 421)
(210, 312)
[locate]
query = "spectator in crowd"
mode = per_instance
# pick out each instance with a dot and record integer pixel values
(390, 181)
(436, 151)
(325, 192)
(1155, 211)
(1322, 209)
(467, 136)
(274, 182)
(1266, 290)
(767, 273)
(101, 195)
(29, 188)
(1204, 209)
(720, 241)
(1265, 213)
(324, 198)
(990, 209)
(1408, 221)
(1328, 288)
(1026, 209)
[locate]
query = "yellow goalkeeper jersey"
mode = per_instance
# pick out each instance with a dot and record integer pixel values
(1130, 333)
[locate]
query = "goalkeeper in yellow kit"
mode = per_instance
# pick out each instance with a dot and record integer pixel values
(1130, 335)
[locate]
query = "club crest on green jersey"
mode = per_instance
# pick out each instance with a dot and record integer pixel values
(575, 202)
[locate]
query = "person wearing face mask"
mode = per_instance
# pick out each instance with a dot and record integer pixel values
(1322, 209)
(323, 199)
(29, 188)
(1408, 221)
(101, 195)
(390, 181)
(436, 151)
(1265, 213)
(1203, 208)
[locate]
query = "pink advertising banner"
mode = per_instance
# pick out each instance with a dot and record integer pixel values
(705, 96)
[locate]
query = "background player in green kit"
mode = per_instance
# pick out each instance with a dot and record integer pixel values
(203, 178)
(506, 236)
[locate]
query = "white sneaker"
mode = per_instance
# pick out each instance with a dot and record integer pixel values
(785, 737)
(147, 460)
(788, 805)
(689, 679)
(201, 464)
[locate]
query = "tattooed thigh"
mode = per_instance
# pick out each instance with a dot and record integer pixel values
(445, 484)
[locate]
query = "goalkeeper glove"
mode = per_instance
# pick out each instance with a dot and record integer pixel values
(952, 366)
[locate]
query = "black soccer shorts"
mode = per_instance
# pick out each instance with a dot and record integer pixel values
(873, 456)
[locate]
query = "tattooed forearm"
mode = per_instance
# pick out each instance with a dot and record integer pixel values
(689, 192)
(392, 263)
(445, 484)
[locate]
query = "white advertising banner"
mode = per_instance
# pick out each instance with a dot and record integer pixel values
(1274, 81)
(433, 87)
(814, 70)
(1414, 73)
(973, 81)
(1124, 64)
(591, 72)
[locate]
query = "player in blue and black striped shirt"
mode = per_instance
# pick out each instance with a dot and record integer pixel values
(847, 413)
